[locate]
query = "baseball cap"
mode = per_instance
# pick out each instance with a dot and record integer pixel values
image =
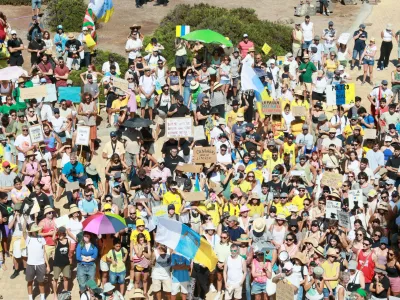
(56, 110)
(89, 76)
(245, 35)
(362, 26)
(84, 28)
(250, 125)
(107, 206)
(117, 175)
(305, 126)
(288, 265)
(113, 133)
(352, 265)
(6, 164)
(139, 222)
(390, 181)
(13, 32)
(330, 23)
(395, 194)
(384, 82)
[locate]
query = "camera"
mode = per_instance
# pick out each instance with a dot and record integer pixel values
(305, 214)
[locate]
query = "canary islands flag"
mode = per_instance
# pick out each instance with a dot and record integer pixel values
(186, 242)
(102, 9)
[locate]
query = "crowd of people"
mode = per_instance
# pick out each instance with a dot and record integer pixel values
(265, 212)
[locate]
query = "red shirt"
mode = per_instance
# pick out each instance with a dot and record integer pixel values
(244, 48)
(44, 68)
(47, 227)
(61, 72)
(366, 265)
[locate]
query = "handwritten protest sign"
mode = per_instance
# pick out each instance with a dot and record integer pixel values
(179, 127)
(160, 211)
(333, 180)
(284, 291)
(194, 196)
(299, 111)
(199, 133)
(370, 134)
(344, 218)
(36, 133)
(82, 135)
(344, 38)
(271, 107)
(72, 93)
(70, 186)
(62, 221)
(331, 209)
(120, 83)
(266, 48)
(355, 197)
(33, 92)
(189, 168)
(204, 155)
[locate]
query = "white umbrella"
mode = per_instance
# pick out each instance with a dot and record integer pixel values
(10, 73)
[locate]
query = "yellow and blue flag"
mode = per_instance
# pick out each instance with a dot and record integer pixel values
(102, 9)
(186, 242)
(182, 30)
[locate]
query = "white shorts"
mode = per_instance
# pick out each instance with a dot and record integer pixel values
(17, 253)
(161, 284)
(104, 266)
(177, 287)
(233, 292)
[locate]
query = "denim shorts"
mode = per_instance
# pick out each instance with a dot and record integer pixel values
(369, 62)
(117, 277)
(148, 102)
(258, 288)
(357, 53)
(224, 81)
(326, 292)
(306, 45)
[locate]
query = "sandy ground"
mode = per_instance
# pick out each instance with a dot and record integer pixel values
(112, 37)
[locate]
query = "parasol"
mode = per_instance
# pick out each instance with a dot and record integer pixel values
(207, 36)
(104, 223)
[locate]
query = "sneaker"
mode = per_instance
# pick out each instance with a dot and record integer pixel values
(218, 296)
(362, 83)
(324, 14)
(212, 288)
(352, 68)
(15, 274)
(130, 286)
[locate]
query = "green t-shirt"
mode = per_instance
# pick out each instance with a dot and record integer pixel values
(310, 69)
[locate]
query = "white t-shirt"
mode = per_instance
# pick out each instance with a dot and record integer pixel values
(293, 66)
(75, 227)
(58, 123)
(147, 83)
(344, 121)
(16, 231)
(130, 44)
(65, 113)
(46, 113)
(224, 159)
(307, 31)
(378, 93)
(35, 250)
(23, 142)
(106, 67)
(320, 85)
(152, 60)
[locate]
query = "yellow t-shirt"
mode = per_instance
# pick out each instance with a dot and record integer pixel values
(330, 271)
(117, 104)
(298, 201)
(120, 267)
(233, 115)
(135, 233)
(331, 65)
(290, 149)
(213, 209)
(271, 164)
(282, 209)
(255, 209)
(171, 198)
(267, 155)
(245, 186)
(232, 209)
(297, 126)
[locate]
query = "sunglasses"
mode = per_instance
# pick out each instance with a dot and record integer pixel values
(234, 250)
(90, 195)
(366, 244)
(289, 240)
(391, 254)
(108, 200)
(106, 210)
(224, 237)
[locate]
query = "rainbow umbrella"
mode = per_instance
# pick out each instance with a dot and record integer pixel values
(104, 223)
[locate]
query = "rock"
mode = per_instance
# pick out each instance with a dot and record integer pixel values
(305, 9)
(349, 2)
(286, 21)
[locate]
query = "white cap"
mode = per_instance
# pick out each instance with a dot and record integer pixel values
(290, 54)
(84, 28)
(388, 139)
(272, 61)
(245, 35)
(288, 265)
(13, 32)
(341, 68)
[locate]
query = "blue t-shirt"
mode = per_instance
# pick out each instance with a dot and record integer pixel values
(179, 275)
(238, 130)
(68, 168)
(369, 120)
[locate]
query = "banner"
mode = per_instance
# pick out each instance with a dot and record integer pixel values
(203, 155)
(271, 107)
(344, 38)
(51, 93)
(179, 127)
(189, 168)
(344, 218)
(284, 291)
(340, 94)
(160, 211)
(370, 134)
(33, 92)
(72, 93)
(199, 133)
(331, 209)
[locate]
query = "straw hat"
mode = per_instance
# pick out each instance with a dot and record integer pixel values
(319, 250)
(334, 194)
(331, 252)
(71, 36)
(217, 85)
(301, 257)
(135, 26)
(312, 241)
(35, 228)
(251, 49)
(244, 238)
(383, 206)
(48, 52)
(30, 153)
(259, 225)
(137, 294)
(281, 217)
(73, 209)
(47, 209)
(194, 85)
(21, 80)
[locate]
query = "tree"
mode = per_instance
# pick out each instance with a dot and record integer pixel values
(68, 13)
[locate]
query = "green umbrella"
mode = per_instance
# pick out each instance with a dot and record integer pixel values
(207, 36)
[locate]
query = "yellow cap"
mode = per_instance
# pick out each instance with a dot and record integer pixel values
(139, 222)
(107, 206)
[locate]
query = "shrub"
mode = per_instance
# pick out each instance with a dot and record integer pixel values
(69, 13)
(231, 23)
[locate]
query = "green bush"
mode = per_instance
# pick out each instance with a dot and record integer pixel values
(69, 13)
(231, 23)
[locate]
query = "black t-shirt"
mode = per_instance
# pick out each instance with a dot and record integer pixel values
(5, 211)
(205, 111)
(278, 187)
(42, 199)
(172, 162)
(182, 111)
(136, 180)
(73, 46)
(15, 44)
(35, 45)
(254, 136)
(385, 284)
(394, 162)
(125, 238)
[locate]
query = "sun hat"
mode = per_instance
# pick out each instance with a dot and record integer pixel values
(288, 265)
(372, 193)
(319, 250)
(292, 208)
(244, 238)
(331, 252)
(322, 117)
(306, 56)
(312, 241)
(194, 85)
(243, 209)
(71, 36)
(318, 271)
(135, 26)
(73, 209)
(30, 153)
(137, 293)
(209, 226)
(233, 218)
(108, 287)
(139, 222)
(301, 257)
(259, 224)
(334, 194)
(281, 217)
(383, 206)
(217, 85)
(48, 209)
(251, 49)
(384, 240)
(91, 170)
(107, 206)
(173, 69)
(35, 228)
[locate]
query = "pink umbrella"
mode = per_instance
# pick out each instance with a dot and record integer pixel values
(104, 223)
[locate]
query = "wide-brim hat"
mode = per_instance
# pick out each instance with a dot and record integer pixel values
(243, 209)
(71, 36)
(334, 194)
(312, 241)
(135, 26)
(331, 252)
(259, 225)
(73, 209)
(244, 238)
(319, 250)
(281, 217)
(194, 85)
(383, 206)
(30, 153)
(48, 209)
(35, 228)
(137, 294)
(217, 85)
(301, 257)
(91, 170)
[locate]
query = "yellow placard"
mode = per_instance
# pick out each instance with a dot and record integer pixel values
(350, 93)
(280, 60)
(266, 48)
(89, 41)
